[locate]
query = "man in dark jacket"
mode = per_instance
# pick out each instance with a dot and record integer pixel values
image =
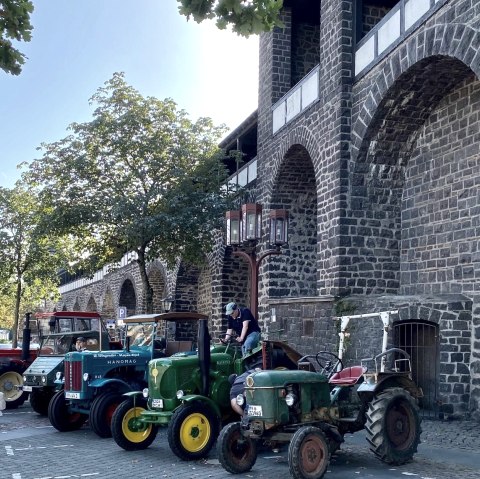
(243, 323)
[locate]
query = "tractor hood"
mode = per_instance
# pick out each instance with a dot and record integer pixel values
(277, 378)
(44, 364)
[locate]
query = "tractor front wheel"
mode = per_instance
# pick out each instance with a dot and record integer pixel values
(393, 426)
(60, 417)
(101, 413)
(11, 383)
(236, 453)
(308, 453)
(192, 431)
(127, 431)
(39, 400)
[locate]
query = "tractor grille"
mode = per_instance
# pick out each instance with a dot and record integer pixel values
(73, 376)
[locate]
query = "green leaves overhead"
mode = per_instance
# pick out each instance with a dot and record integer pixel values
(14, 25)
(141, 176)
(246, 17)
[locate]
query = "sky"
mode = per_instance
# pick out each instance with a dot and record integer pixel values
(76, 47)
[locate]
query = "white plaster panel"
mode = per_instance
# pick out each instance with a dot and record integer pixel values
(414, 9)
(389, 32)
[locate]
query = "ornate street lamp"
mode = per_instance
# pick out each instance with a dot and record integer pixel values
(167, 304)
(244, 228)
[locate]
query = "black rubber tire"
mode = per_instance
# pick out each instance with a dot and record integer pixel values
(11, 376)
(192, 431)
(60, 417)
(308, 453)
(236, 453)
(101, 412)
(40, 399)
(393, 426)
(127, 434)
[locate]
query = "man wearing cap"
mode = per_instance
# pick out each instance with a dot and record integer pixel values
(81, 344)
(243, 323)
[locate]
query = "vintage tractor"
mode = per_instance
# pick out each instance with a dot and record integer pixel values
(14, 361)
(191, 395)
(313, 410)
(93, 381)
(64, 328)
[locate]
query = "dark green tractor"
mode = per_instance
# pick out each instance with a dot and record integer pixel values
(311, 411)
(190, 394)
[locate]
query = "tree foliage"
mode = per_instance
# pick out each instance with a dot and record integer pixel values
(29, 260)
(140, 177)
(246, 17)
(14, 25)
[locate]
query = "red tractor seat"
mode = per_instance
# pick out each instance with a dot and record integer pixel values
(348, 376)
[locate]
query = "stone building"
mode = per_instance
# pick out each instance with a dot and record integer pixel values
(368, 133)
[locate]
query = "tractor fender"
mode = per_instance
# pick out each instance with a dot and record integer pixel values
(392, 381)
(115, 383)
(133, 394)
(190, 398)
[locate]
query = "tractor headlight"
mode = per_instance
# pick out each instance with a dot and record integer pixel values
(86, 377)
(240, 399)
(44, 379)
(58, 375)
(290, 399)
(180, 394)
(145, 393)
(24, 378)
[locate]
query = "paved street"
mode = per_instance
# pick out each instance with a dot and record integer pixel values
(31, 449)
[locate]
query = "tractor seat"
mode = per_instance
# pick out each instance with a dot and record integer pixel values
(348, 376)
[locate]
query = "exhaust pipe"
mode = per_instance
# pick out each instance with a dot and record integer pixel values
(26, 338)
(203, 342)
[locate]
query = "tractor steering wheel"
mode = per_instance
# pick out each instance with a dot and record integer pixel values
(328, 363)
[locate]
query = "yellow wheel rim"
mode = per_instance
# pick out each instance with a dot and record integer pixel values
(134, 430)
(9, 383)
(195, 432)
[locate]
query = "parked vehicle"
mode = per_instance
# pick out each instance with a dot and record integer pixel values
(190, 394)
(64, 328)
(313, 410)
(94, 381)
(14, 361)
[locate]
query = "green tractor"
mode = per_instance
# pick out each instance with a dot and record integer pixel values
(312, 408)
(190, 394)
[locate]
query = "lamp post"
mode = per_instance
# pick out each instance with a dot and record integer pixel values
(244, 228)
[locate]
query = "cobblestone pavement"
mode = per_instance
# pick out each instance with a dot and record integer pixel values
(453, 434)
(31, 449)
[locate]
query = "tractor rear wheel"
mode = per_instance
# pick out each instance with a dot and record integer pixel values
(39, 400)
(192, 431)
(60, 416)
(127, 431)
(236, 453)
(308, 453)
(101, 412)
(11, 382)
(393, 426)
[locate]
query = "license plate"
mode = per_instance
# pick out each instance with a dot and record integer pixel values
(157, 403)
(27, 389)
(72, 395)
(255, 411)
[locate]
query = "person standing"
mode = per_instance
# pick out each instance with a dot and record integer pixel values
(244, 324)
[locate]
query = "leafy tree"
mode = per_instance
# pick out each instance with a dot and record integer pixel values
(140, 177)
(246, 17)
(15, 25)
(29, 260)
